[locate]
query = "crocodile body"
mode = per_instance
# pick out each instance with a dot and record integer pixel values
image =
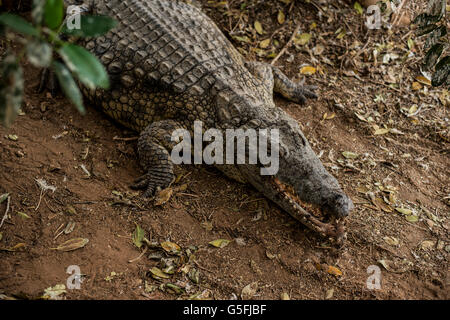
(170, 65)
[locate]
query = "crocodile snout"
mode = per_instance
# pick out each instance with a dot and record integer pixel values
(340, 205)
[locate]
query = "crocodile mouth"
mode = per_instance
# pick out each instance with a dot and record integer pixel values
(310, 215)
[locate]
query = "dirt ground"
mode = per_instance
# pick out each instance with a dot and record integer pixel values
(378, 128)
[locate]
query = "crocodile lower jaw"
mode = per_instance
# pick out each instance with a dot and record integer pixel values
(311, 216)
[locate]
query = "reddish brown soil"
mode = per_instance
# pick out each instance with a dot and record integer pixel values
(272, 249)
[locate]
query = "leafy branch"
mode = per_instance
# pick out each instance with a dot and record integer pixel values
(44, 47)
(433, 24)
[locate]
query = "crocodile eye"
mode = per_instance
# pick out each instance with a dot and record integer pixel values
(284, 152)
(302, 139)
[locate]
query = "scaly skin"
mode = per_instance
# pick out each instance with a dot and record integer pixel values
(170, 65)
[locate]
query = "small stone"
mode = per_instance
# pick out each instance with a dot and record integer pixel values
(19, 153)
(240, 241)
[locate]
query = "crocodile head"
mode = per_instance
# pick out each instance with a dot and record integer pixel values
(301, 185)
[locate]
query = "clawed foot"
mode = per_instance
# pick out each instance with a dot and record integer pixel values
(48, 81)
(302, 92)
(155, 180)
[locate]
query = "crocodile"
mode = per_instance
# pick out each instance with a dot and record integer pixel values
(170, 65)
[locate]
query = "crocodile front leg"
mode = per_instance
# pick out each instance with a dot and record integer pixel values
(154, 147)
(276, 81)
(296, 92)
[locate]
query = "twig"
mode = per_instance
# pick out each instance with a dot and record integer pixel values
(398, 15)
(6, 211)
(385, 85)
(140, 256)
(201, 267)
(125, 139)
(187, 194)
(288, 44)
(319, 8)
(40, 199)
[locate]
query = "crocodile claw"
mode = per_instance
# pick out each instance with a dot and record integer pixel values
(305, 91)
(153, 181)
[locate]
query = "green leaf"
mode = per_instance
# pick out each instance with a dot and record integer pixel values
(3, 197)
(39, 53)
(410, 44)
(11, 89)
(91, 26)
(23, 215)
(138, 236)
(433, 55)
(412, 218)
(85, 66)
(69, 86)
(404, 211)
(358, 8)
(18, 24)
(158, 274)
(442, 73)
(54, 13)
(219, 243)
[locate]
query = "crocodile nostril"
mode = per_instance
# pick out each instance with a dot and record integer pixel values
(342, 205)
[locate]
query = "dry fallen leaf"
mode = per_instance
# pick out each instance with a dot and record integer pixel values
(285, 296)
(379, 203)
(391, 240)
(158, 274)
(265, 43)
(327, 116)
(72, 244)
(14, 248)
(427, 245)
(412, 218)
(416, 86)
(281, 17)
(249, 291)
(302, 39)
(318, 50)
(171, 247)
(350, 155)
(163, 196)
(404, 211)
(329, 269)
(329, 294)
(334, 271)
(381, 131)
(54, 293)
(308, 70)
(258, 27)
(424, 80)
